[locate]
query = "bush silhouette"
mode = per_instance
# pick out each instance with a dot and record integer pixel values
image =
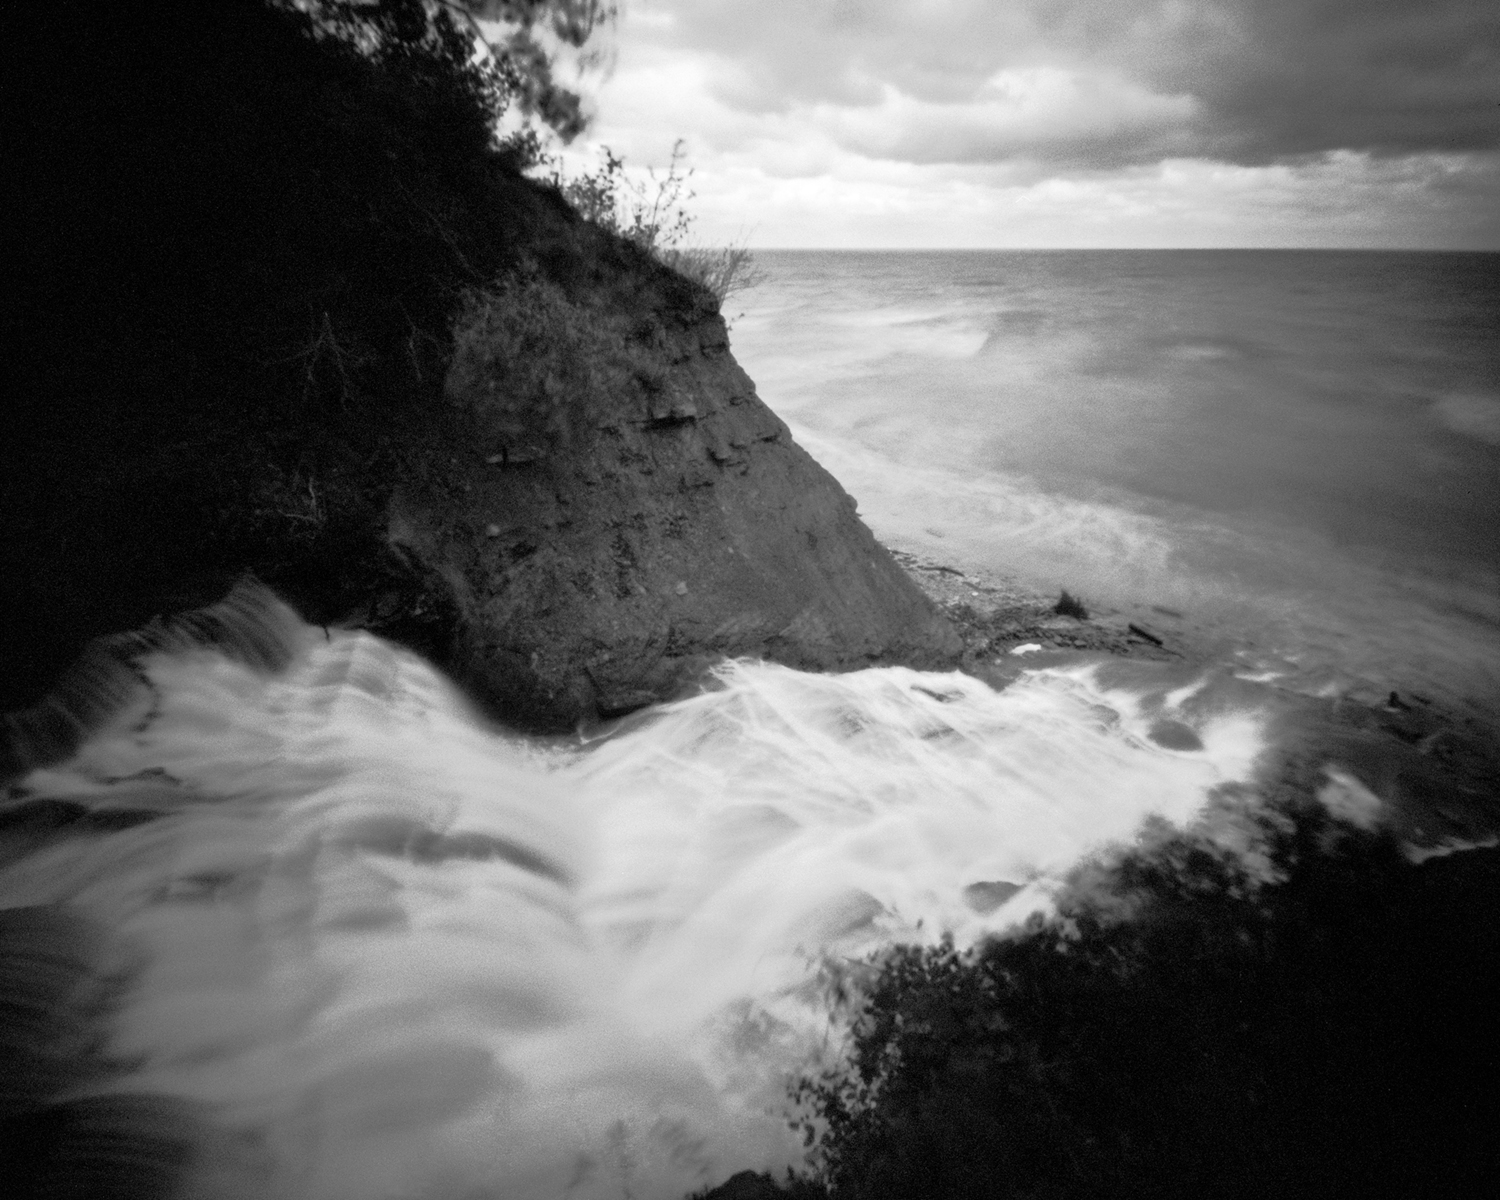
(238, 234)
(1182, 1029)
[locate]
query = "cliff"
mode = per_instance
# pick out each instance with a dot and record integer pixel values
(666, 519)
(315, 328)
(676, 524)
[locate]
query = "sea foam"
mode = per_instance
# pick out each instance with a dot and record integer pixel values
(368, 945)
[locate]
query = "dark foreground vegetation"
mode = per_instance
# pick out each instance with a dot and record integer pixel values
(1188, 1027)
(237, 233)
(282, 302)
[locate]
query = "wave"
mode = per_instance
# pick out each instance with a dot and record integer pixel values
(330, 934)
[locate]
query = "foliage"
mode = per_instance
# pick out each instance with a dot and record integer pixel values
(293, 195)
(238, 231)
(411, 37)
(723, 270)
(647, 214)
(537, 367)
(651, 214)
(1183, 1028)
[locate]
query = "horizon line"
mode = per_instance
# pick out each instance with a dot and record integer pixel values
(1126, 249)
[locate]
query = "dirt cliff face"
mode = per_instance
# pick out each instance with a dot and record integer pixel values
(315, 327)
(670, 521)
(575, 505)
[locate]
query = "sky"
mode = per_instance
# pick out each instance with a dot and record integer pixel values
(1064, 123)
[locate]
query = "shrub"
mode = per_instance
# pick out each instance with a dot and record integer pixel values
(1185, 1027)
(536, 367)
(650, 214)
(723, 270)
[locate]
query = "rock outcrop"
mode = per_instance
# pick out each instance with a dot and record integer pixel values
(676, 523)
(595, 509)
(317, 327)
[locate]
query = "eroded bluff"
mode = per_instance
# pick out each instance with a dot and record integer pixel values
(579, 506)
(619, 510)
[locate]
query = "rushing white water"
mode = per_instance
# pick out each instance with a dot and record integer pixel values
(388, 950)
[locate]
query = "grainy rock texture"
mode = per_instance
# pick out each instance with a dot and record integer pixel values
(594, 509)
(315, 326)
(677, 522)
(994, 616)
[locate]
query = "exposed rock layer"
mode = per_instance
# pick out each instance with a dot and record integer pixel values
(566, 569)
(679, 525)
(284, 327)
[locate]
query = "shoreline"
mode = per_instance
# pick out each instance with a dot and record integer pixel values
(995, 616)
(1435, 767)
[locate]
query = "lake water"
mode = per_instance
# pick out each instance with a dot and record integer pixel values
(1298, 450)
(321, 932)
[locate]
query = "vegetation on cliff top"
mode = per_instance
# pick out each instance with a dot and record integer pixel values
(652, 213)
(239, 233)
(283, 201)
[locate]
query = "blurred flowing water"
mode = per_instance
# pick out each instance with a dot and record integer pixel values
(360, 944)
(1299, 449)
(333, 935)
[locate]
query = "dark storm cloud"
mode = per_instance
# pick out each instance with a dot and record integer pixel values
(1285, 78)
(1109, 82)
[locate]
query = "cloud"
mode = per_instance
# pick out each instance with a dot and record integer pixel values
(1041, 112)
(1067, 122)
(1104, 83)
(790, 53)
(815, 195)
(1278, 79)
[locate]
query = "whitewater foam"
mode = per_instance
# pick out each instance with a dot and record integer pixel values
(379, 947)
